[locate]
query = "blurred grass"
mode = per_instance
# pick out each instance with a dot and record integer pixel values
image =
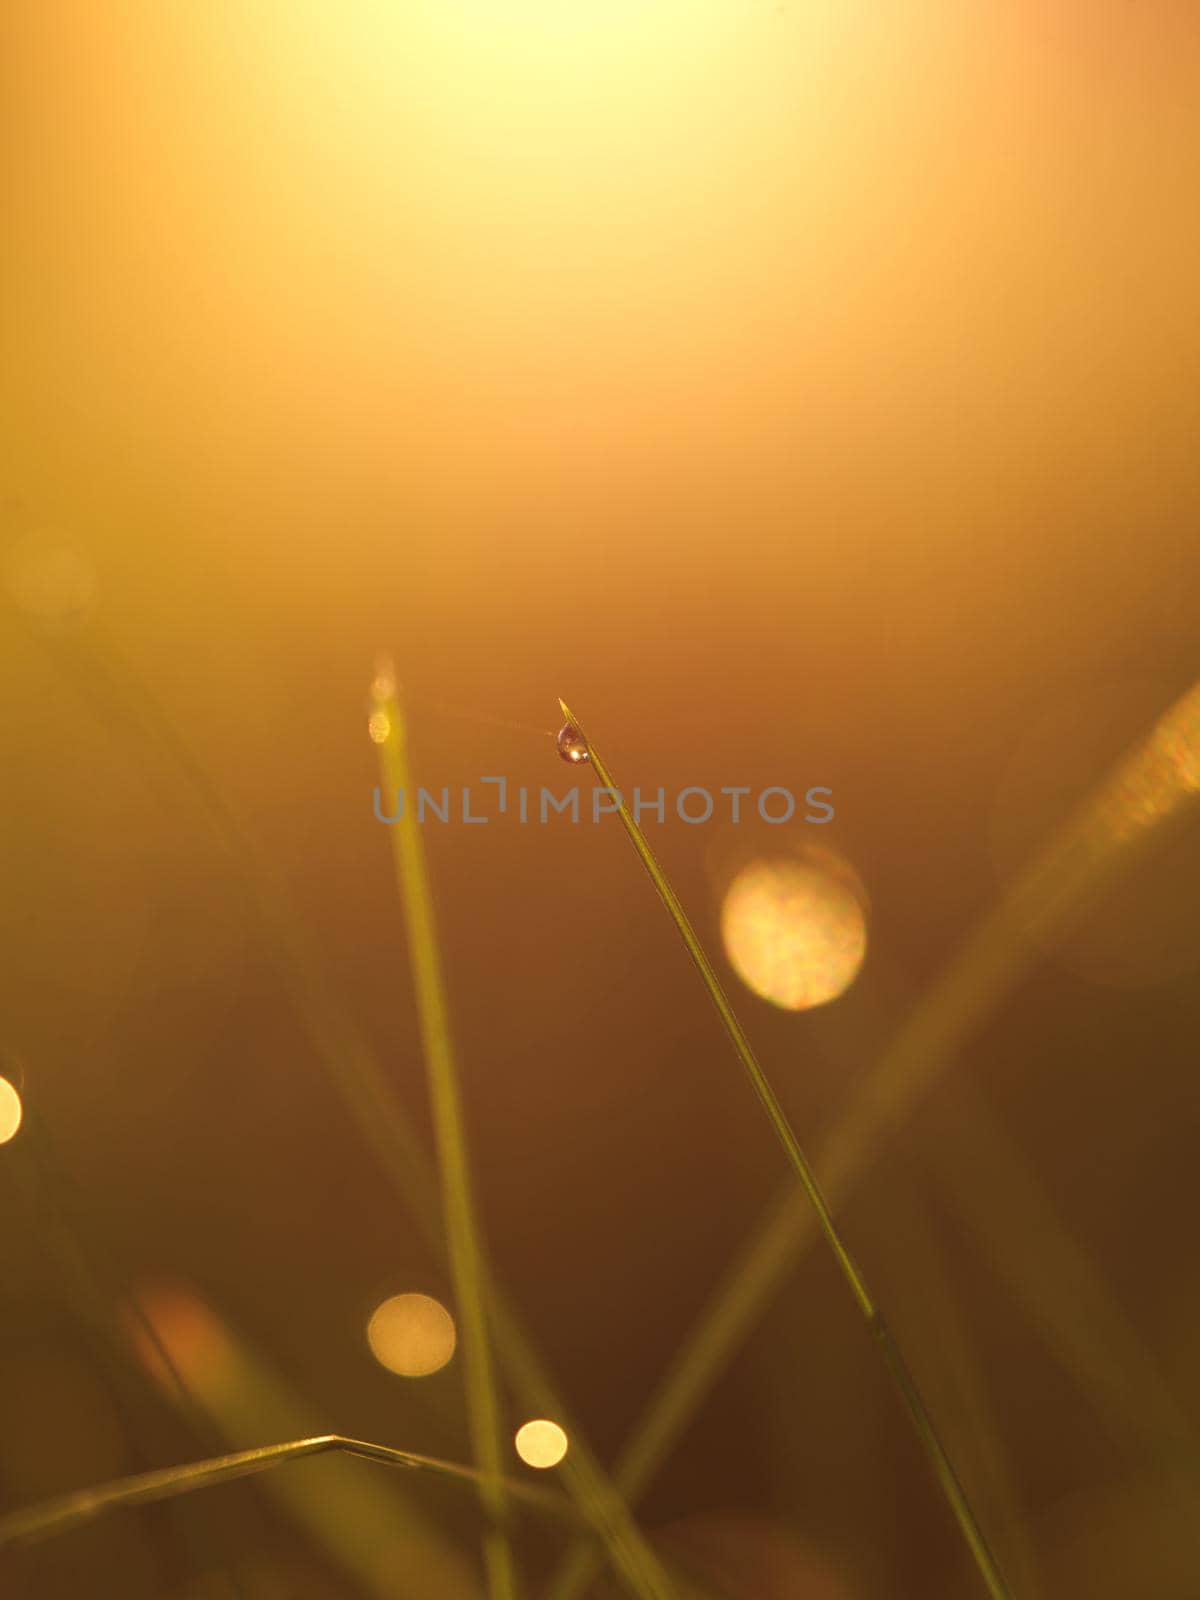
(634, 1558)
(463, 1238)
(100, 675)
(966, 1397)
(1155, 785)
(101, 1301)
(999, 1199)
(372, 1531)
(919, 1415)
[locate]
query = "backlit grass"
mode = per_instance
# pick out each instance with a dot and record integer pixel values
(931, 1443)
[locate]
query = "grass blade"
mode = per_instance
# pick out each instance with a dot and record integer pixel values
(632, 1556)
(923, 1425)
(352, 1068)
(370, 1526)
(1156, 783)
(1064, 1295)
(463, 1240)
(966, 1392)
(98, 1297)
(68, 1511)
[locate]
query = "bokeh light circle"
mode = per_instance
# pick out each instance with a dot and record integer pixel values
(11, 1111)
(412, 1335)
(541, 1444)
(794, 928)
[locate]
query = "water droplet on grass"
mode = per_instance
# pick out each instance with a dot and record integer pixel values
(572, 746)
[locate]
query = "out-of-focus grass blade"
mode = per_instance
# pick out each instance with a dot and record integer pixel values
(368, 1526)
(354, 1071)
(957, 1375)
(97, 1296)
(919, 1415)
(463, 1239)
(633, 1558)
(1156, 784)
(1061, 1291)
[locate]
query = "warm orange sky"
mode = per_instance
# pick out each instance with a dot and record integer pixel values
(551, 275)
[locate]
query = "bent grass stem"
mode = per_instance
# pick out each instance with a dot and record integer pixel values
(355, 1072)
(67, 1511)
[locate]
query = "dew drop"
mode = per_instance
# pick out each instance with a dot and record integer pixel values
(572, 746)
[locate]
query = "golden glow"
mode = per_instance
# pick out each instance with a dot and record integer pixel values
(794, 929)
(541, 1444)
(1139, 927)
(177, 1335)
(379, 726)
(53, 582)
(11, 1111)
(383, 684)
(412, 1335)
(1161, 775)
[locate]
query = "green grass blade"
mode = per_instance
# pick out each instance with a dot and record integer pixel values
(371, 1527)
(464, 1244)
(1156, 783)
(966, 1390)
(632, 1556)
(99, 1297)
(723, 1326)
(1001, 1200)
(923, 1425)
(68, 1511)
(353, 1070)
